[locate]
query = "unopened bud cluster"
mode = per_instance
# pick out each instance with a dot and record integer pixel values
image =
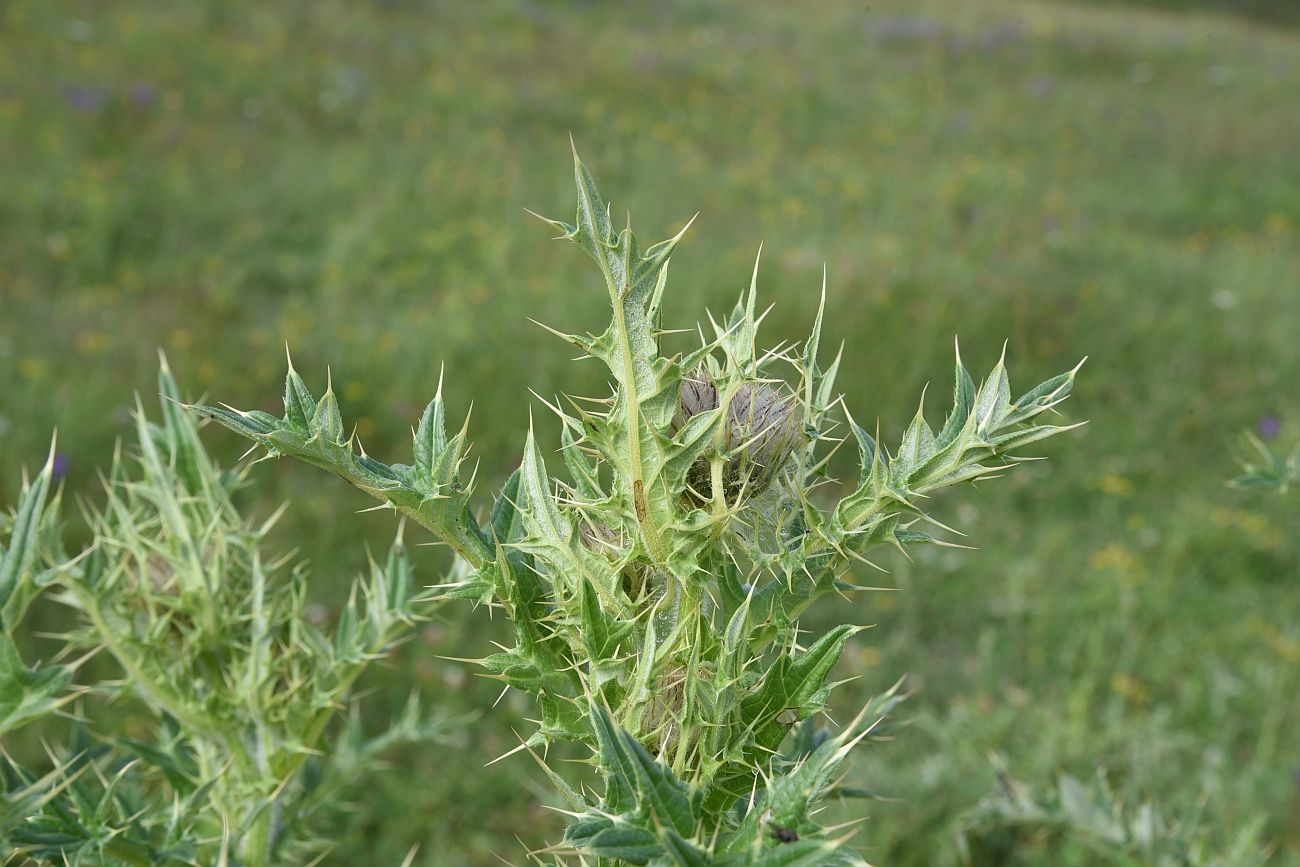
(763, 427)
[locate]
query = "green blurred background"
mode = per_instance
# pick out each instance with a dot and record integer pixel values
(1114, 180)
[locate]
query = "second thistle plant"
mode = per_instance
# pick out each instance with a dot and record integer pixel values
(239, 744)
(655, 588)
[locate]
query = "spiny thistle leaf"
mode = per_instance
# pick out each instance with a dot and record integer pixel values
(681, 852)
(26, 694)
(430, 492)
(19, 556)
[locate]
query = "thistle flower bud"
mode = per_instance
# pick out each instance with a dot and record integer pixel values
(697, 395)
(762, 429)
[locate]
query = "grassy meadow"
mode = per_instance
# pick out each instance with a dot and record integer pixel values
(218, 179)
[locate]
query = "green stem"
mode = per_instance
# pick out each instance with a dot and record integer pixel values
(649, 532)
(260, 840)
(257, 851)
(464, 540)
(460, 534)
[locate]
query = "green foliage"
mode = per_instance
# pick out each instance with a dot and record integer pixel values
(210, 636)
(1079, 178)
(27, 694)
(429, 490)
(654, 593)
(1092, 815)
(1268, 469)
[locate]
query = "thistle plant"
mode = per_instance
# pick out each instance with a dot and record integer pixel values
(655, 588)
(207, 637)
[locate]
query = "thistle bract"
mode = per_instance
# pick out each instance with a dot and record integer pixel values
(764, 428)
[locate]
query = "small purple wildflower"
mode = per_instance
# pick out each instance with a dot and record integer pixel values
(86, 99)
(1269, 426)
(144, 93)
(60, 467)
